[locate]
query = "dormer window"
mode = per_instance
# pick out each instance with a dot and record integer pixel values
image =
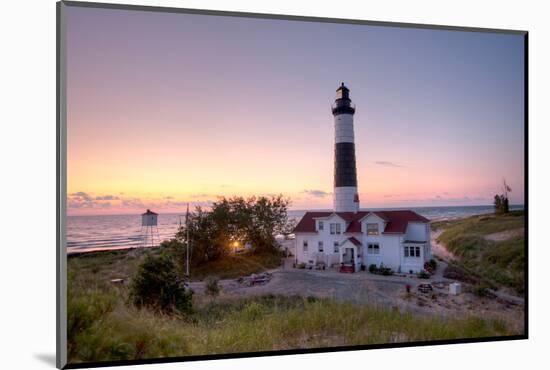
(372, 229)
(335, 229)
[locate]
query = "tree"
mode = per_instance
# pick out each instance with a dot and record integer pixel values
(254, 220)
(501, 201)
(212, 287)
(269, 218)
(289, 228)
(158, 284)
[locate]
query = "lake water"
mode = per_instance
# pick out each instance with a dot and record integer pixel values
(91, 233)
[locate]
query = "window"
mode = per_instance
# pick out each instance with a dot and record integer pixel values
(372, 229)
(412, 251)
(335, 229)
(321, 225)
(305, 246)
(336, 247)
(373, 248)
(321, 247)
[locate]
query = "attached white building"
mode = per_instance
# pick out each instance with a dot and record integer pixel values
(396, 239)
(348, 237)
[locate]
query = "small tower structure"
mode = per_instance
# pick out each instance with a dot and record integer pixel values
(149, 229)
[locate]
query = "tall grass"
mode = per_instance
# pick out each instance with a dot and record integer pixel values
(498, 262)
(233, 266)
(108, 329)
(124, 263)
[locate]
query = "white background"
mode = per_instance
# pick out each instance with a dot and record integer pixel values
(27, 180)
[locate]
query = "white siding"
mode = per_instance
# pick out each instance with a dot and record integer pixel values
(417, 231)
(391, 245)
(414, 264)
(328, 256)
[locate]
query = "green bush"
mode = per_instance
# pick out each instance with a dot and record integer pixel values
(157, 284)
(423, 275)
(433, 264)
(212, 287)
(386, 271)
(482, 291)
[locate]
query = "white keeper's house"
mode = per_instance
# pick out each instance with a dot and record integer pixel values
(349, 238)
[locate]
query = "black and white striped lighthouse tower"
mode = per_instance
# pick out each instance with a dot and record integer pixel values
(345, 198)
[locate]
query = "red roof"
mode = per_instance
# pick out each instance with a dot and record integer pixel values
(396, 221)
(307, 223)
(354, 241)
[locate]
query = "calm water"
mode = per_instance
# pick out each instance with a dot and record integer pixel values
(90, 233)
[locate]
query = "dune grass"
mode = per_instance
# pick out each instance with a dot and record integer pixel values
(496, 263)
(122, 264)
(234, 266)
(103, 327)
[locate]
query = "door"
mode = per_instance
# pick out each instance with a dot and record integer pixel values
(349, 256)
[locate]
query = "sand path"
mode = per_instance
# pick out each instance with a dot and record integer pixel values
(439, 249)
(505, 235)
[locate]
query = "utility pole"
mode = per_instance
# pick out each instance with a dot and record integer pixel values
(187, 241)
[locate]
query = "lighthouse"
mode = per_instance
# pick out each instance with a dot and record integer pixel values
(345, 196)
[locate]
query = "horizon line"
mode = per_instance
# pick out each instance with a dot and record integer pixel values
(305, 210)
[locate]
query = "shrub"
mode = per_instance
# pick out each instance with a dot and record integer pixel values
(386, 271)
(455, 272)
(212, 287)
(433, 264)
(301, 266)
(423, 275)
(311, 299)
(482, 291)
(157, 284)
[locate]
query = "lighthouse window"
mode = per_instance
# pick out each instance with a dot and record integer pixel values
(372, 229)
(321, 247)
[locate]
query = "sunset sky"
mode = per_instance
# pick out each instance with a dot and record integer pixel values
(165, 109)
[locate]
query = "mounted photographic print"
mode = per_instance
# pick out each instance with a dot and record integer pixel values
(235, 185)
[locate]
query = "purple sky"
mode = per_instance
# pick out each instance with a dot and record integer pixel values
(169, 108)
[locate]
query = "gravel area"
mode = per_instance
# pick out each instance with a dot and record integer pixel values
(386, 291)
